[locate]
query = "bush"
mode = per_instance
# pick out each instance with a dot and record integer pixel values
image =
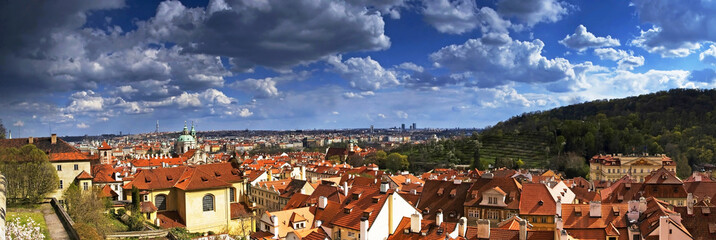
(87, 232)
(29, 230)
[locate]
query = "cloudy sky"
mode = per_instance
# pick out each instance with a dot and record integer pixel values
(78, 67)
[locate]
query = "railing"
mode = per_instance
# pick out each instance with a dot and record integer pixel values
(139, 234)
(65, 218)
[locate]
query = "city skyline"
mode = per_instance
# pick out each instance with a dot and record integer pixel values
(87, 67)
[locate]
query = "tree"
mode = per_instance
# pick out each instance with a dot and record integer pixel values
(355, 160)
(135, 199)
(30, 175)
(3, 131)
(377, 158)
(476, 163)
(504, 162)
(396, 162)
(87, 207)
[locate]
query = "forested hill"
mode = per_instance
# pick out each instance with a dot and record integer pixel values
(678, 122)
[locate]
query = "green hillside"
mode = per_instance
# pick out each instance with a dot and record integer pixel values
(532, 149)
(680, 123)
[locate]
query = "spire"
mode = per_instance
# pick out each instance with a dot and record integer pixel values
(193, 132)
(10, 137)
(186, 131)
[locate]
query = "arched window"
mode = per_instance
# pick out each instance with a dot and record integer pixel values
(208, 202)
(232, 194)
(161, 202)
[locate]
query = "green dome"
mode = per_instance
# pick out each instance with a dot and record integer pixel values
(186, 138)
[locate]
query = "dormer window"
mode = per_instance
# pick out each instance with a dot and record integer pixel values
(376, 199)
(441, 191)
(540, 202)
(347, 210)
(578, 211)
(453, 193)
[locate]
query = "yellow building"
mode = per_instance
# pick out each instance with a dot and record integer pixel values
(68, 161)
(274, 195)
(613, 167)
(201, 198)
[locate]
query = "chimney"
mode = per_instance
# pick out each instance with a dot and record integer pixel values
(345, 188)
(523, 229)
(53, 139)
(407, 180)
(415, 220)
(664, 227)
(319, 223)
(483, 228)
(642, 204)
(690, 204)
(462, 227)
(322, 202)
(558, 208)
(364, 229)
(30, 140)
(384, 186)
(274, 220)
(439, 217)
(595, 209)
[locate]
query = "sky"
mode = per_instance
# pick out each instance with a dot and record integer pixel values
(79, 67)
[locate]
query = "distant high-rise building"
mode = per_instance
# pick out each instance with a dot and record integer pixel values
(371, 128)
(414, 127)
(402, 127)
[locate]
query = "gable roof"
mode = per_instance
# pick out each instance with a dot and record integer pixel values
(446, 195)
(352, 210)
(187, 178)
(536, 200)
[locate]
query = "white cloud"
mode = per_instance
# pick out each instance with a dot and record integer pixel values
(709, 56)
(410, 66)
(364, 73)
(679, 27)
(358, 95)
(582, 39)
(18, 123)
(461, 16)
(625, 60)
(532, 12)
(380, 115)
(335, 113)
(82, 125)
(260, 88)
(649, 41)
(283, 34)
(401, 114)
(493, 64)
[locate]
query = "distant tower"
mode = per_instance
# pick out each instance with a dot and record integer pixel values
(402, 127)
(414, 127)
(371, 129)
(157, 130)
(10, 136)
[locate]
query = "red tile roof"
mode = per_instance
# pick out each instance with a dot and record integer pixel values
(536, 200)
(83, 176)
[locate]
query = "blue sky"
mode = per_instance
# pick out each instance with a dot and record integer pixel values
(91, 67)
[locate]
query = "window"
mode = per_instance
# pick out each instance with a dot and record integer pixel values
(146, 198)
(232, 194)
(614, 238)
(59, 167)
(208, 203)
(60, 180)
(85, 186)
(77, 167)
(161, 202)
(350, 234)
(473, 213)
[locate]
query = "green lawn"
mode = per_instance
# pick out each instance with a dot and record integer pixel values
(23, 217)
(118, 225)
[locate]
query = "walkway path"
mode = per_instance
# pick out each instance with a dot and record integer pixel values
(57, 231)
